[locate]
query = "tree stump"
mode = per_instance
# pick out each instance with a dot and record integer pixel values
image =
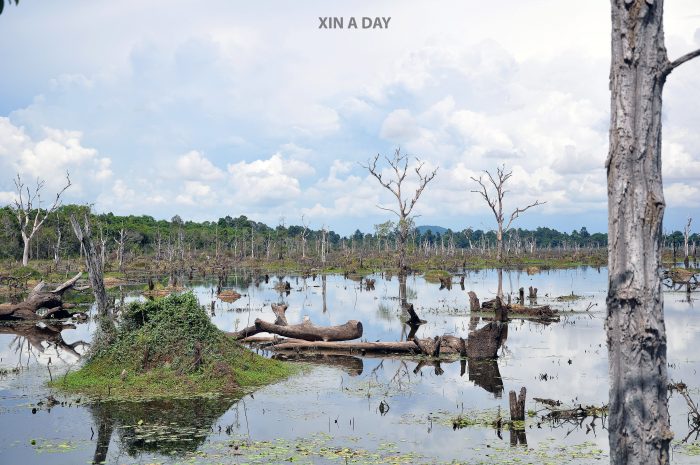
(517, 405)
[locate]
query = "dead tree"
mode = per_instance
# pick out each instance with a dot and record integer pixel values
(304, 234)
(399, 165)
(121, 242)
(495, 203)
(638, 422)
(686, 237)
(28, 204)
(93, 262)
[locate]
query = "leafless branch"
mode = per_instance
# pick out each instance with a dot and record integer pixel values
(679, 61)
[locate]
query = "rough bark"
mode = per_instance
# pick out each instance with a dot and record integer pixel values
(38, 298)
(638, 426)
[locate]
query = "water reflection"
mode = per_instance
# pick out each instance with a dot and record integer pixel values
(40, 337)
(168, 427)
(566, 360)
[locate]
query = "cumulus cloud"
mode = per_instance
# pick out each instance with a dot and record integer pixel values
(50, 155)
(193, 165)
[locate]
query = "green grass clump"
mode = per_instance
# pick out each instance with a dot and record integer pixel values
(433, 276)
(170, 348)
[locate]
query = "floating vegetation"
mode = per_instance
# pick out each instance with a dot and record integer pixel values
(569, 297)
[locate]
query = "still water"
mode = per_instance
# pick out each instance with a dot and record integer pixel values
(350, 409)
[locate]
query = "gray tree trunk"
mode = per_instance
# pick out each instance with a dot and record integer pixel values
(94, 265)
(639, 430)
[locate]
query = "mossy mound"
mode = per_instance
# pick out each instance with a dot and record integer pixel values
(170, 348)
(433, 276)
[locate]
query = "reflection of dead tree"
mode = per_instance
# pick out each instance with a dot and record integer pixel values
(39, 298)
(558, 415)
(31, 204)
(399, 165)
(693, 411)
(51, 334)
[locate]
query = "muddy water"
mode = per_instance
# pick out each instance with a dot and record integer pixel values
(352, 409)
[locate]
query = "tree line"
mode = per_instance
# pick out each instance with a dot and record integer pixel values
(232, 236)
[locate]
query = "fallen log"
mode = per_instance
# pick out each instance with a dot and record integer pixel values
(306, 331)
(39, 298)
(403, 347)
(483, 343)
(309, 332)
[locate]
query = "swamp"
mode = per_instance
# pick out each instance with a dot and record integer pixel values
(355, 407)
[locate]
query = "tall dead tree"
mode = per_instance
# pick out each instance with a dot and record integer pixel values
(121, 242)
(398, 168)
(638, 421)
(686, 242)
(93, 261)
(28, 210)
(494, 199)
(304, 234)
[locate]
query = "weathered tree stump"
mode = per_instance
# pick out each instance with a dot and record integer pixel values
(517, 405)
(473, 302)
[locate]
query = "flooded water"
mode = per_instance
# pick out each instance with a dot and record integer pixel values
(348, 409)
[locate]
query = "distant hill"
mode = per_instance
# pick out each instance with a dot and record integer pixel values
(434, 229)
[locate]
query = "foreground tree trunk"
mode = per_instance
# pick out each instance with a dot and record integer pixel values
(638, 426)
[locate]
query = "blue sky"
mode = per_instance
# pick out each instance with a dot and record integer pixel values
(229, 108)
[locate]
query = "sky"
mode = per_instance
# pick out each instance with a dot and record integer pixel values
(248, 108)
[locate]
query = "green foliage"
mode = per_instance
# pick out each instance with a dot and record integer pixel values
(169, 347)
(25, 272)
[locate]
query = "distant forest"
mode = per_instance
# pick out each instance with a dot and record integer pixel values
(242, 237)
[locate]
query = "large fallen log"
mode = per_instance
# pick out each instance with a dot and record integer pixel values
(38, 299)
(482, 343)
(403, 347)
(306, 331)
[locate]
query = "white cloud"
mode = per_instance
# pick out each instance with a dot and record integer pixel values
(50, 156)
(193, 165)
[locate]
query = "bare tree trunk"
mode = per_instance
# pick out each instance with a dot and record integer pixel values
(94, 264)
(639, 429)
(25, 254)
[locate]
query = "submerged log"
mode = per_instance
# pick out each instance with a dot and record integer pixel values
(38, 298)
